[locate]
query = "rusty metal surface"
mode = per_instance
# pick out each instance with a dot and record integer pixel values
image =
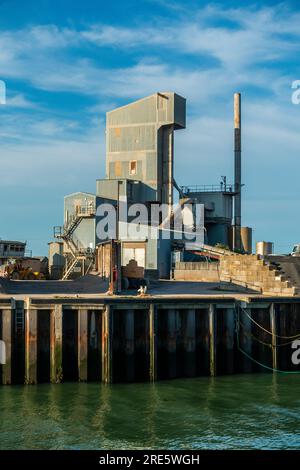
(30, 346)
(56, 371)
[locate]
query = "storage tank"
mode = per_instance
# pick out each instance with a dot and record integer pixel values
(246, 239)
(56, 260)
(264, 248)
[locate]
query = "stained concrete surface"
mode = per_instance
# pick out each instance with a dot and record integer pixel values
(89, 284)
(95, 286)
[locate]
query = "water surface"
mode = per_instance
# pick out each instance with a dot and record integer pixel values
(234, 412)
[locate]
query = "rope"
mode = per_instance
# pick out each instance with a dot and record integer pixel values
(267, 331)
(262, 342)
(263, 365)
(237, 330)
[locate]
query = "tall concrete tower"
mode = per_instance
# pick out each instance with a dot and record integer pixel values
(140, 142)
(139, 169)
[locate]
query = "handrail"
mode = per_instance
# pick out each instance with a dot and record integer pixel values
(222, 187)
(66, 233)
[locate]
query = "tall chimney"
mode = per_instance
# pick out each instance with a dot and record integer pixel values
(237, 171)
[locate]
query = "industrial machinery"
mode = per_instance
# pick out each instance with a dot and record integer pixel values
(222, 202)
(20, 270)
(133, 276)
(296, 250)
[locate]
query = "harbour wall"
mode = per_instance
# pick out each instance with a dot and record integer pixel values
(117, 339)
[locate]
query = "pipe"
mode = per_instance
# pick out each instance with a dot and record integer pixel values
(237, 171)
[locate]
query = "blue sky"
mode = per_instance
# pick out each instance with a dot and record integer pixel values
(66, 63)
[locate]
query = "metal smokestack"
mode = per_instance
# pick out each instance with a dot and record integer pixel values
(237, 171)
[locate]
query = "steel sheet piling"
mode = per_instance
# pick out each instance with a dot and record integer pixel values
(83, 345)
(153, 343)
(190, 343)
(212, 340)
(273, 324)
(129, 339)
(171, 342)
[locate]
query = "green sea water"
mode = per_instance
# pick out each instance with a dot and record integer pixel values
(233, 412)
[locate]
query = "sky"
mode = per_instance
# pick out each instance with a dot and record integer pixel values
(65, 63)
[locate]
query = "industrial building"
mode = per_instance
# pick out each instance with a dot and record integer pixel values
(140, 170)
(11, 249)
(79, 330)
(56, 259)
(218, 203)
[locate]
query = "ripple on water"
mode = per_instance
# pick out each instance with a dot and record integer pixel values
(233, 412)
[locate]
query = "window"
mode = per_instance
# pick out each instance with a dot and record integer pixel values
(132, 167)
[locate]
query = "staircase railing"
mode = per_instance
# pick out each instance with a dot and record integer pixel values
(75, 254)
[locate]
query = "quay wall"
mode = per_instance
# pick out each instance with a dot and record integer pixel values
(144, 339)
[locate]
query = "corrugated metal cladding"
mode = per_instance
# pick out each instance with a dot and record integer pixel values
(131, 139)
(165, 108)
(179, 111)
(141, 111)
(132, 136)
(118, 169)
(139, 156)
(75, 200)
(151, 167)
(84, 235)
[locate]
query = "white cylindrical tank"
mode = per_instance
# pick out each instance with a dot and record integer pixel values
(264, 248)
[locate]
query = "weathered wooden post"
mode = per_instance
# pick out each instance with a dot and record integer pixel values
(56, 369)
(7, 322)
(30, 344)
(107, 353)
(273, 324)
(153, 342)
(83, 315)
(212, 340)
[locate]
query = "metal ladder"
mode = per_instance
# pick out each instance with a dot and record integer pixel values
(19, 322)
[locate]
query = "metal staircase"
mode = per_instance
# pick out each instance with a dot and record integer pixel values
(76, 256)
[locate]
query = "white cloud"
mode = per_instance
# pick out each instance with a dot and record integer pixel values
(44, 150)
(258, 36)
(20, 101)
(51, 163)
(41, 54)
